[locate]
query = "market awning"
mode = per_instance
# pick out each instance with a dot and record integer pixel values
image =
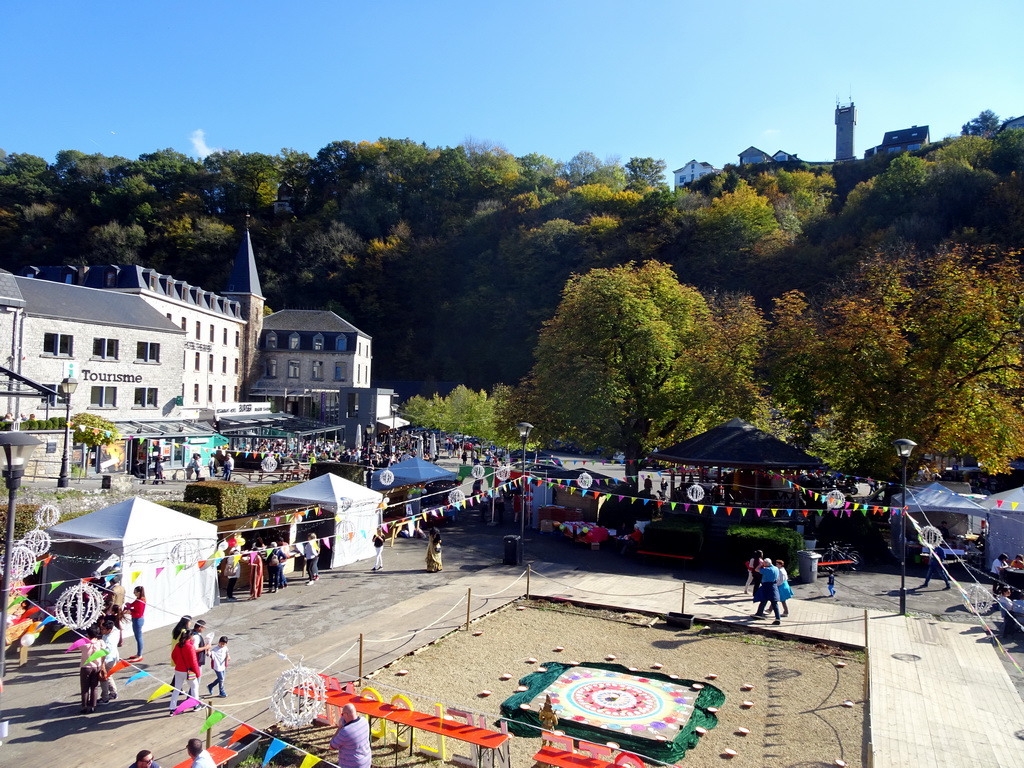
(392, 422)
(164, 428)
(254, 424)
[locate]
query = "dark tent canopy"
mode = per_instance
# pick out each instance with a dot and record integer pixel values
(740, 445)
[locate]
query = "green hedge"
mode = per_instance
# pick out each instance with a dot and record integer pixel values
(54, 423)
(230, 499)
(776, 543)
(675, 537)
(353, 472)
(259, 496)
(206, 512)
(25, 518)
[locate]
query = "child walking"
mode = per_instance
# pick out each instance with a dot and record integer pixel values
(219, 658)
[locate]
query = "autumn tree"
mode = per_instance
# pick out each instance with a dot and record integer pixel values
(926, 347)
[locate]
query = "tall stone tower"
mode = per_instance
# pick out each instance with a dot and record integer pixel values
(846, 121)
(244, 287)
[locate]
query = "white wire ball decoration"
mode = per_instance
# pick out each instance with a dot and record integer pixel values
(695, 492)
(478, 472)
(47, 515)
(38, 541)
(185, 553)
(456, 497)
(23, 561)
(387, 477)
(585, 480)
(931, 536)
(835, 499)
(269, 464)
(979, 597)
(79, 606)
(298, 696)
(503, 473)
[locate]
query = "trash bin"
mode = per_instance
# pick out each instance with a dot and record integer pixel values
(808, 562)
(513, 550)
(106, 482)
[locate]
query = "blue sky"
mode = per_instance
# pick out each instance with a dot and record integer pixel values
(671, 80)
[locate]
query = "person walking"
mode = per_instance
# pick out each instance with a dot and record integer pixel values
(768, 591)
(785, 591)
(378, 548)
(186, 671)
(256, 571)
(229, 466)
(935, 569)
(352, 740)
(108, 690)
(136, 609)
(193, 469)
(202, 643)
(434, 563)
(90, 670)
(311, 555)
(158, 469)
(117, 596)
(200, 757)
(219, 658)
(753, 571)
(232, 569)
(213, 465)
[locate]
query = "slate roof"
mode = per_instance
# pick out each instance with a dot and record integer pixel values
(61, 301)
(918, 134)
(244, 278)
(737, 444)
(308, 320)
(10, 295)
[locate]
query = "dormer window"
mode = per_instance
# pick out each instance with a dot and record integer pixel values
(293, 341)
(271, 340)
(340, 344)
(318, 342)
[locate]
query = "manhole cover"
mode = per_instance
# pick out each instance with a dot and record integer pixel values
(906, 657)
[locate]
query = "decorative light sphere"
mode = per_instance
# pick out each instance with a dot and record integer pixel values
(835, 499)
(979, 597)
(23, 561)
(585, 480)
(478, 472)
(185, 552)
(931, 536)
(298, 697)
(456, 497)
(269, 464)
(79, 606)
(47, 515)
(387, 477)
(38, 541)
(503, 473)
(695, 492)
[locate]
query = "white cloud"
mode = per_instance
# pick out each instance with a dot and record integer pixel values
(199, 145)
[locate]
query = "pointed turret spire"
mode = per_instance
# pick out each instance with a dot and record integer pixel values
(244, 277)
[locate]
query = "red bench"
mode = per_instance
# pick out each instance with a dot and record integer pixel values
(836, 562)
(663, 554)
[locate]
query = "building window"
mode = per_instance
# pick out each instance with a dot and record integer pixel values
(195, 394)
(212, 332)
(110, 279)
(317, 372)
(197, 368)
(145, 397)
(225, 337)
(184, 323)
(293, 369)
(293, 341)
(236, 394)
(199, 331)
(318, 343)
(340, 344)
(209, 394)
(209, 364)
(271, 369)
(236, 365)
(339, 371)
(223, 394)
(223, 365)
(238, 336)
(271, 341)
(147, 352)
(105, 349)
(104, 397)
(58, 344)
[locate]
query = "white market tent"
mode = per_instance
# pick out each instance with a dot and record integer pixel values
(357, 512)
(1005, 523)
(935, 503)
(149, 540)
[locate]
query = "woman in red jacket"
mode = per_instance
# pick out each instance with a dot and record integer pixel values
(186, 670)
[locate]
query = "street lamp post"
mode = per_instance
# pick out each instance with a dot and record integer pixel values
(904, 448)
(524, 432)
(15, 449)
(67, 388)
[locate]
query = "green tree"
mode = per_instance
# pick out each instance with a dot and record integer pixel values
(643, 173)
(462, 411)
(985, 124)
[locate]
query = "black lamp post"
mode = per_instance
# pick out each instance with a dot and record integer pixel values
(15, 449)
(904, 448)
(524, 432)
(67, 388)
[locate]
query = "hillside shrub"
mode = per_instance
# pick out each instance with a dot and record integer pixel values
(206, 512)
(230, 499)
(775, 541)
(353, 472)
(259, 496)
